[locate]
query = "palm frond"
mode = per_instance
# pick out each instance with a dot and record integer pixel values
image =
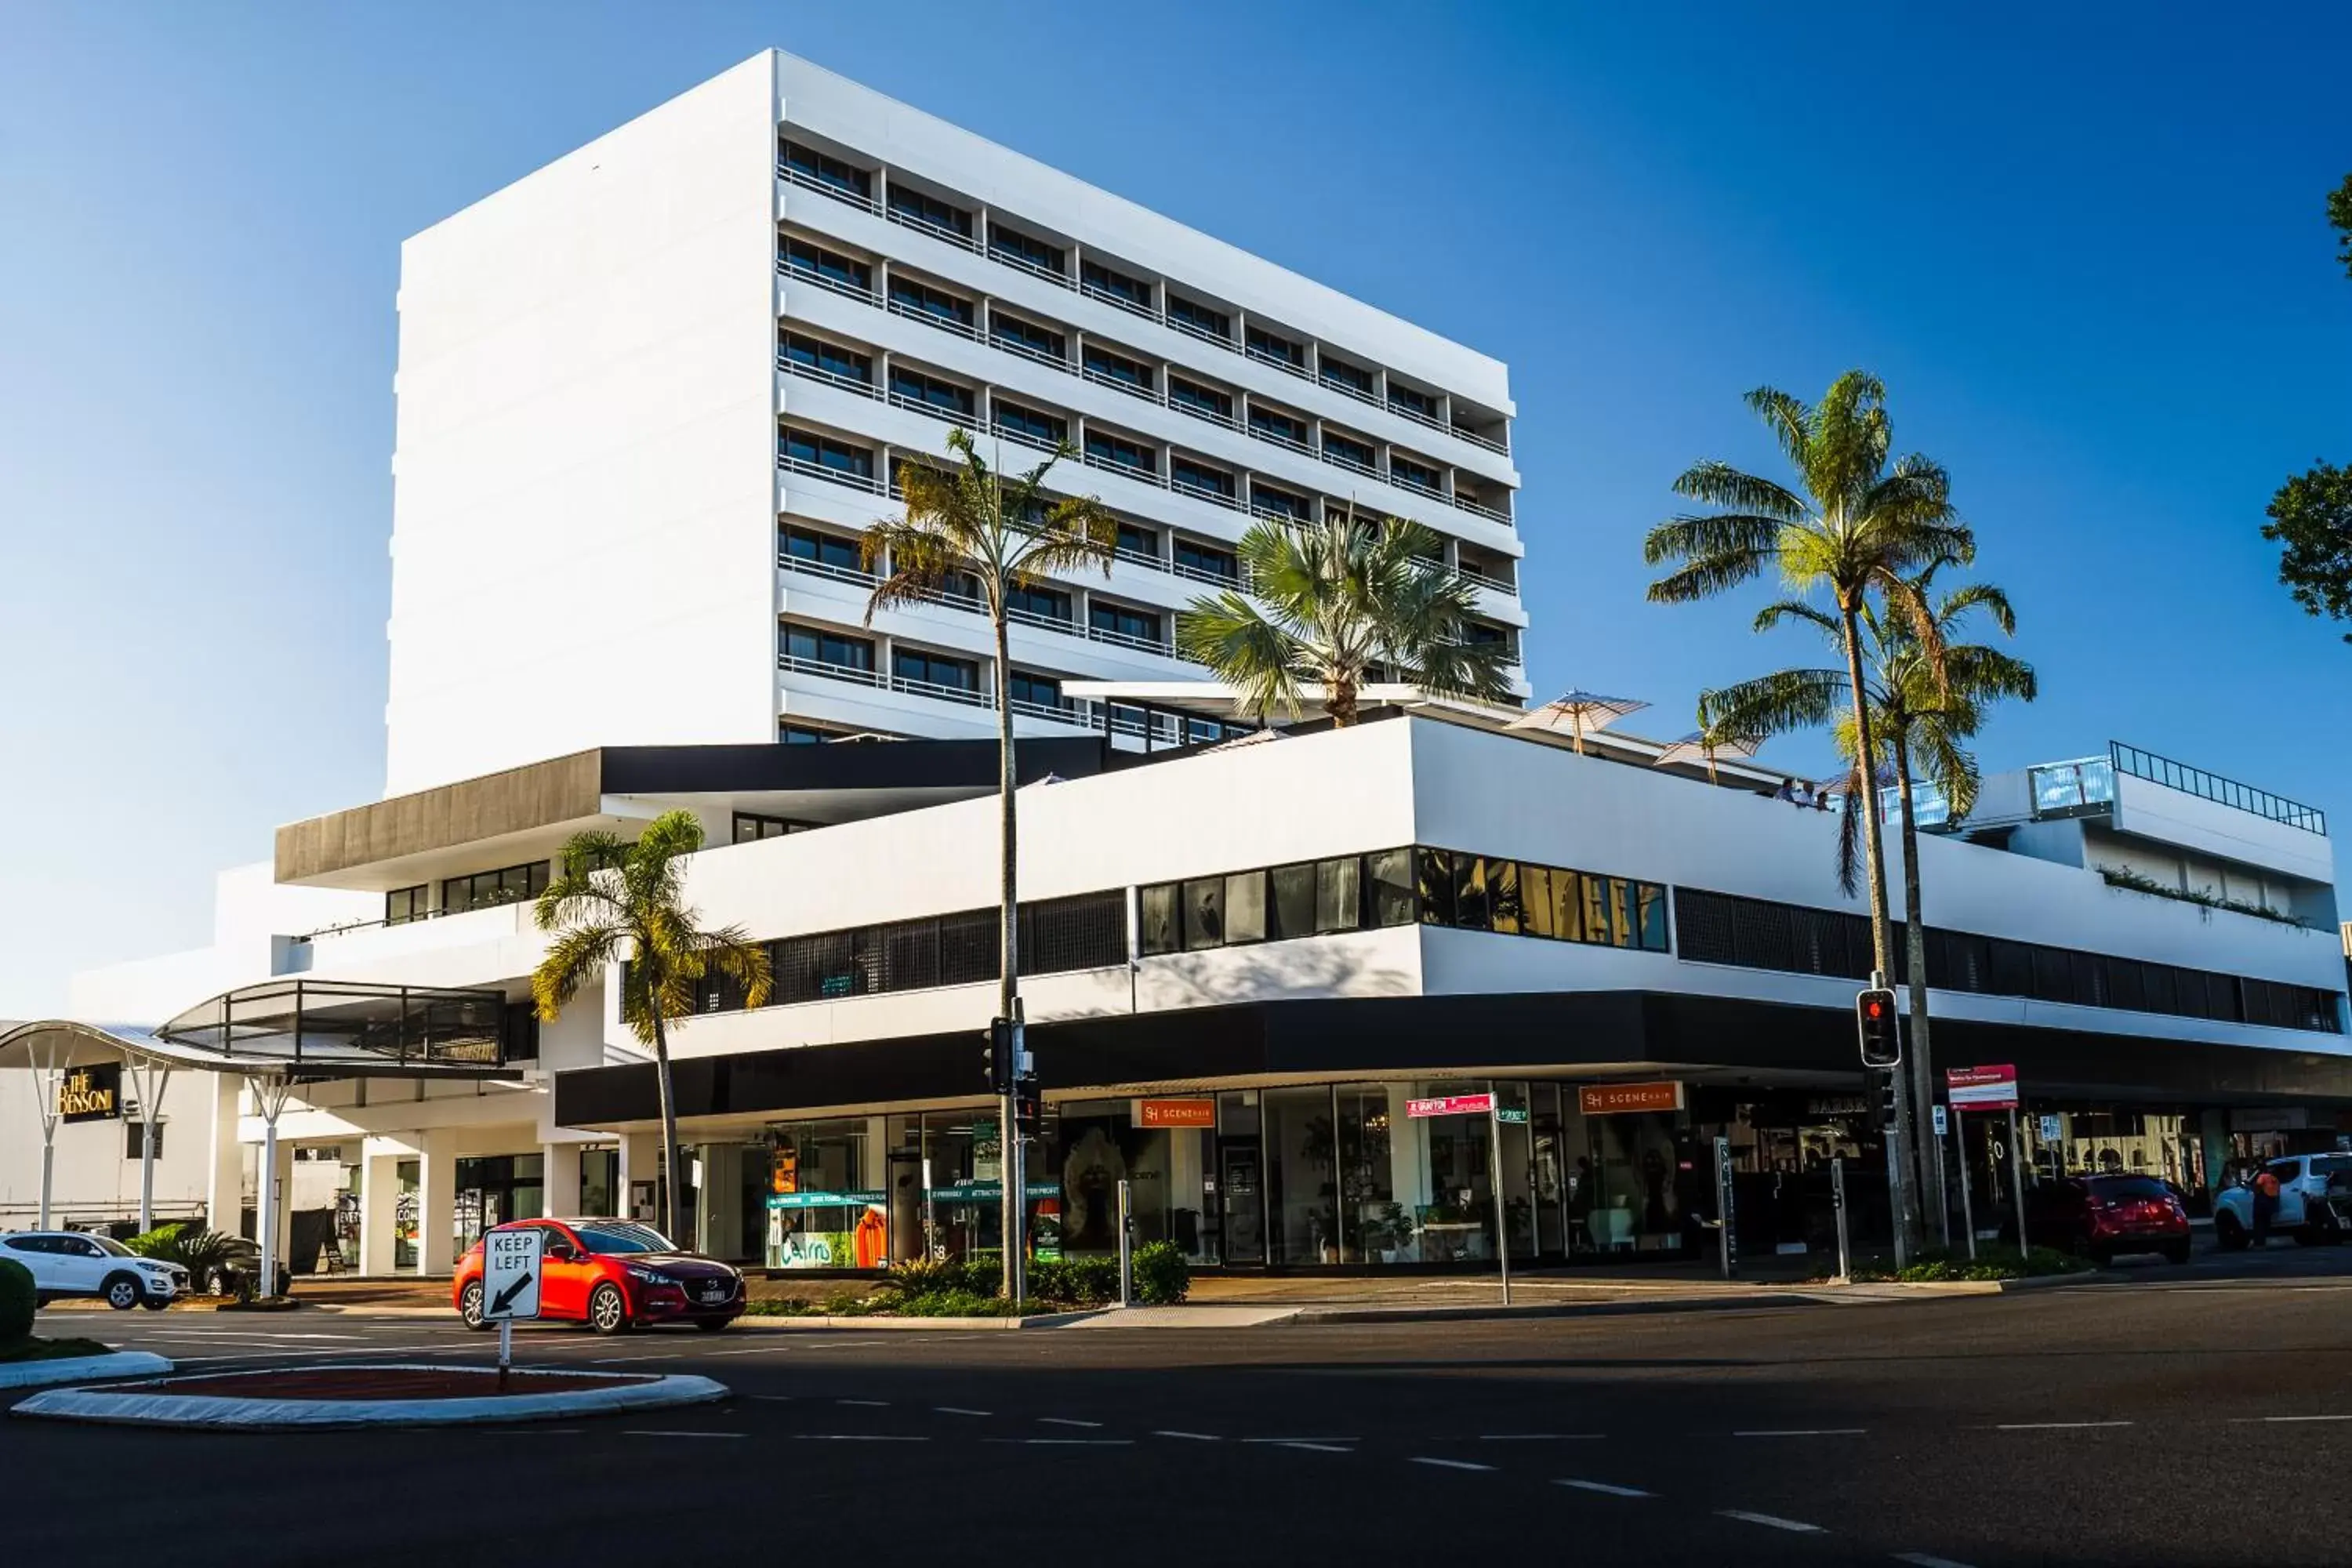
(1693, 537)
(1821, 620)
(1713, 483)
(1231, 636)
(1775, 704)
(574, 958)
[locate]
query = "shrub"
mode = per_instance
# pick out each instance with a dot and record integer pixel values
(924, 1277)
(1994, 1263)
(17, 1301)
(188, 1244)
(955, 1304)
(1162, 1277)
(1075, 1282)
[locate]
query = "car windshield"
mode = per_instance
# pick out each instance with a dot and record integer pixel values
(2129, 1187)
(621, 1236)
(108, 1244)
(2331, 1164)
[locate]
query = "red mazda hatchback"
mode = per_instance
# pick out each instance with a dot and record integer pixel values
(613, 1274)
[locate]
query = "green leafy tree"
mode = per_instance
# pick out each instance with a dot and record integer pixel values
(2339, 214)
(618, 901)
(1924, 712)
(974, 527)
(1857, 522)
(1331, 604)
(2310, 522)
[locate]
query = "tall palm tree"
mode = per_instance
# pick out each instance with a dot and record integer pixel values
(1000, 534)
(1340, 599)
(1855, 523)
(1922, 710)
(618, 900)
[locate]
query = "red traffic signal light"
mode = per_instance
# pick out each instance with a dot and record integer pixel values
(1881, 1032)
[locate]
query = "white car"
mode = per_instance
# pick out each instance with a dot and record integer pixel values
(2315, 1203)
(69, 1263)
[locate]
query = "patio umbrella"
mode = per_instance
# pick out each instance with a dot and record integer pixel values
(1579, 710)
(1696, 748)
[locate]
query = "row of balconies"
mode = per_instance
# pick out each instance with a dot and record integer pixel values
(969, 227)
(1131, 373)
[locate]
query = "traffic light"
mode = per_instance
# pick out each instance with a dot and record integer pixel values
(996, 1056)
(1028, 1106)
(1882, 1040)
(1883, 1082)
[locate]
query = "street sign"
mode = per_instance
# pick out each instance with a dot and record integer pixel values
(2053, 1130)
(1451, 1105)
(512, 1261)
(1982, 1088)
(1941, 1121)
(1511, 1115)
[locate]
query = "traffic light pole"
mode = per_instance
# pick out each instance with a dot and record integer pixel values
(1880, 1031)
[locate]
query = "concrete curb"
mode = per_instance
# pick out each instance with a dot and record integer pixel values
(128, 1407)
(1311, 1316)
(1034, 1321)
(80, 1368)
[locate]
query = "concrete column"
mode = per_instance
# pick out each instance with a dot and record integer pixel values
(225, 1168)
(284, 1177)
(1408, 1152)
(437, 1201)
(379, 1205)
(561, 1184)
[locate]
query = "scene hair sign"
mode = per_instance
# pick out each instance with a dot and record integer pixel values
(1200, 1112)
(1621, 1098)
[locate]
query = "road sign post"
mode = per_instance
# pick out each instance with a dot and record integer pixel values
(2017, 1174)
(1968, 1213)
(1725, 1223)
(514, 1260)
(1489, 1105)
(1837, 1204)
(1126, 1244)
(1943, 1199)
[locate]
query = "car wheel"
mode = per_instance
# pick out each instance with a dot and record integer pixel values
(608, 1309)
(156, 1303)
(2229, 1232)
(469, 1307)
(217, 1283)
(2175, 1252)
(121, 1291)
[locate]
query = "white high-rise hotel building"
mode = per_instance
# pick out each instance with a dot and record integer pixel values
(668, 375)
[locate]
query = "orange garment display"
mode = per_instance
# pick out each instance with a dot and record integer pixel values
(873, 1240)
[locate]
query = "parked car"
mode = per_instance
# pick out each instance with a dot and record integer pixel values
(2101, 1216)
(2315, 1203)
(614, 1275)
(71, 1263)
(240, 1264)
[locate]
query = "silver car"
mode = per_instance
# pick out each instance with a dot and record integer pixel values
(71, 1263)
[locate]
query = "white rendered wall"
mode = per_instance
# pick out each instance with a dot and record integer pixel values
(95, 1179)
(2175, 816)
(582, 523)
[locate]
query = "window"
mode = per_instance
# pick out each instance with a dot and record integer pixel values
(1503, 911)
(802, 256)
(1204, 914)
(1205, 400)
(1186, 473)
(1157, 907)
(750, 827)
(1207, 560)
(1473, 903)
(1046, 604)
(1391, 897)
(1265, 498)
(823, 548)
(1041, 690)
(1199, 318)
(914, 386)
(803, 735)
(1245, 907)
(1011, 330)
(1101, 280)
(1272, 346)
(134, 1145)
(1538, 916)
(1122, 622)
(1109, 366)
(924, 300)
(929, 210)
(830, 358)
(1015, 420)
(1291, 901)
(1281, 427)
(1024, 248)
(1413, 475)
(1136, 540)
(1346, 450)
(488, 890)
(1119, 452)
(824, 452)
(817, 646)
(1348, 377)
(402, 905)
(827, 170)
(1435, 887)
(935, 669)
(1412, 402)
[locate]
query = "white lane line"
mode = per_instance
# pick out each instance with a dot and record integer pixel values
(617, 1359)
(848, 1437)
(1066, 1421)
(956, 1410)
(755, 1350)
(1191, 1436)
(1923, 1560)
(651, 1432)
(1541, 1436)
(1604, 1489)
(2055, 1426)
(1311, 1447)
(866, 1403)
(1451, 1464)
(1771, 1520)
(1293, 1442)
(2282, 1420)
(1066, 1442)
(1808, 1432)
(773, 1398)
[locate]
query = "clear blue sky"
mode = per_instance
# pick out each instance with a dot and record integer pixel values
(2083, 245)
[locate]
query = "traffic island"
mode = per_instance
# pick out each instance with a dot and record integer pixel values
(403, 1394)
(43, 1363)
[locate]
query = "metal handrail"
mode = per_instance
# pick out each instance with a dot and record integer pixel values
(1177, 323)
(791, 562)
(1209, 493)
(2213, 786)
(1121, 384)
(1276, 514)
(1022, 437)
(939, 231)
(1013, 345)
(933, 319)
(1069, 710)
(1287, 367)
(1118, 301)
(1464, 504)
(1417, 487)
(1477, 440)
(791, 366)
(1049, 623)
(1121, 639)
(1239, 578)
(936, 410)
(794, 664)
(970, 696)
(1013, 258)
(1113, 466)
(1340, 460)
(1257, 432)
(792, 176)
(1197, 412)
(1139, 558)
(791, 464)
(790, 268)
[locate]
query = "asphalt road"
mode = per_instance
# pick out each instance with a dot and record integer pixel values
(2177, 1419)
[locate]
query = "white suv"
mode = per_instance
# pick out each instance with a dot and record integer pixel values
(68, 1263)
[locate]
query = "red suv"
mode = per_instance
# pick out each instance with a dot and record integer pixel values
(614, 1274)
(2100, 1216)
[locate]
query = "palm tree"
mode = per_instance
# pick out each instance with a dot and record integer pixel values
(1341, 599)
(1921, 709)
(1854, 525)
(618, 900)
(974, 525)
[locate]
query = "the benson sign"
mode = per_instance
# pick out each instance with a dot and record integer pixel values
(91, 1093)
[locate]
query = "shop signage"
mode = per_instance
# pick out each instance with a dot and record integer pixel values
(2287, 1119)
(1982, 1088)
(1511, 1115)
(1619, 1098)
(90, 1093)
(1175, 1112)
(823, 1200)
(988, 1191)
(1451, 1105)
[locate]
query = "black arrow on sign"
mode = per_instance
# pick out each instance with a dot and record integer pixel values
(506, 1297)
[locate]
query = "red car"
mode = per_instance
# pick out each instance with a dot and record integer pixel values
(614, 1275)
(2100, 1216)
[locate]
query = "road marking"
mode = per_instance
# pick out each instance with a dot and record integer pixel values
(755, 1350)
(1066, 1442)
(1294, 1442)
(849, 1437)
(1541, 1436)
(1064, 1421)
(1771, 1520)
(1604, 1489)
(1808, 1432)
(616, 1360)
(774, 1398)
(956, 1410)
(1922, 1560)
(1310, 1448)
(1191, 1436)
(2243, 1420)
(1451, 1464)
(2055, 1426)
(866, 1403)
(648, 1432)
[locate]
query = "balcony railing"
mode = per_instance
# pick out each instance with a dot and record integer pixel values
(1119, 302)
(1340, 460)
(938, 231)
(1209, 493)
(1193, 330)
(964, 330)
(790, 268)
(1198, 412)
(970, 697)
(1475, 439)
(850, 574)
(1121, 384)
(1023, 438)
(792, 176)
(936, 410)
(1463, 503)
(1013, 345)
(855, 481)
(1269, 433)
(794, 664)
(1123, 639)
(1113, 466)
(1287, 367)
(1035, 270)
(1062, 623)
(2180, 776)
(1069, 710)
(807, 372)
(1418, 487)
